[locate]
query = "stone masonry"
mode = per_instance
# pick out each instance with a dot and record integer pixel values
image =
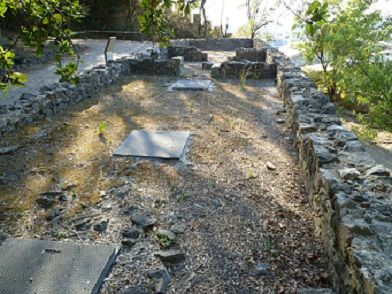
(243, 70)
(222, 44)
(60, 96)
(191, 54)
(350, 193)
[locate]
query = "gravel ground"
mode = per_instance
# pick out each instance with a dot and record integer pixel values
(236, 209)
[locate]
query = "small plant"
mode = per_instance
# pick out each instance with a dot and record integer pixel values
(74, 195)
(59, 235)
(365, 133)
(164, 241)
(243, 75)
(102, 126)
(272, 251)
(250, 174)
(181, 198)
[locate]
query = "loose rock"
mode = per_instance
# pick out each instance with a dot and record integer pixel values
(349, 173)
(161, 279)
(271, 166)
(142, 218)
(171, 256)
(131, 233)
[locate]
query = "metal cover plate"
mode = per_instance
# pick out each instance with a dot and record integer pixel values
(192, 85)
(49, 267)
(167, 145)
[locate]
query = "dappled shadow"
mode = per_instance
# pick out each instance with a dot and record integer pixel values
(238, 212)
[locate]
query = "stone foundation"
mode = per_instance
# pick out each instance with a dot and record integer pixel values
(243, 70)
(350, 193)
(251, 54)
(223, 44)
(191, 54)
(60, 96)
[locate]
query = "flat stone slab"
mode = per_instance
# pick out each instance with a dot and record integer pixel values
(40, 266)
(192, 85)
(167, 145)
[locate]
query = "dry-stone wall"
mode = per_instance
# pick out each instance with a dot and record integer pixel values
(59, 96)
(243, 70)
(351, 194)
(251, 54)
(223, 44)
(191, 54)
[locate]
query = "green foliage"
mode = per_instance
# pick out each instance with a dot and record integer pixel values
(345, 39)
(102, 126)
(39, 21)
(365, 133)
(164, 241)
(154, 21)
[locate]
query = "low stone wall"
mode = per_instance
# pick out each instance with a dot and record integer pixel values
(60, 96)
(191, 54)
(243, 70)
(251, 54)
(350, 193)
(223, 44)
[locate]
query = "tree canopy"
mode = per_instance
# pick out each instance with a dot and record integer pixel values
(39, 21)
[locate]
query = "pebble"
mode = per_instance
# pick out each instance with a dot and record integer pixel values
(178, 228)
(128, 242)
(101, 226)
(261, 269)
(135, 290)
(142, 218)
(131, 233)
(8, 150)
(271, 166)
(171, 255)
(161, 280)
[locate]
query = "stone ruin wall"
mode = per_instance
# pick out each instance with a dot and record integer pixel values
(223, 44)
(350, 193)
(59, 96)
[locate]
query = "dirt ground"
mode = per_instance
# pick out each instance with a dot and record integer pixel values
(238, 195)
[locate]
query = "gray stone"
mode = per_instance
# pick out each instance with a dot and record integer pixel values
(207, 65)
(271, 166)
(168, 145)
(178, 228)
(192, 85)
(161, 279)
(349, 173)
(131, 233)
(8, 150)
(261, 269)
(378, 170)
(173, 256)
(101, 226)
(179, 58)
(142, 219)
(135, 290)
(128, 242)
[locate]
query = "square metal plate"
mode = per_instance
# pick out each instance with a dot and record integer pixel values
(167, 144)
(192, 85)
(49, 267)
